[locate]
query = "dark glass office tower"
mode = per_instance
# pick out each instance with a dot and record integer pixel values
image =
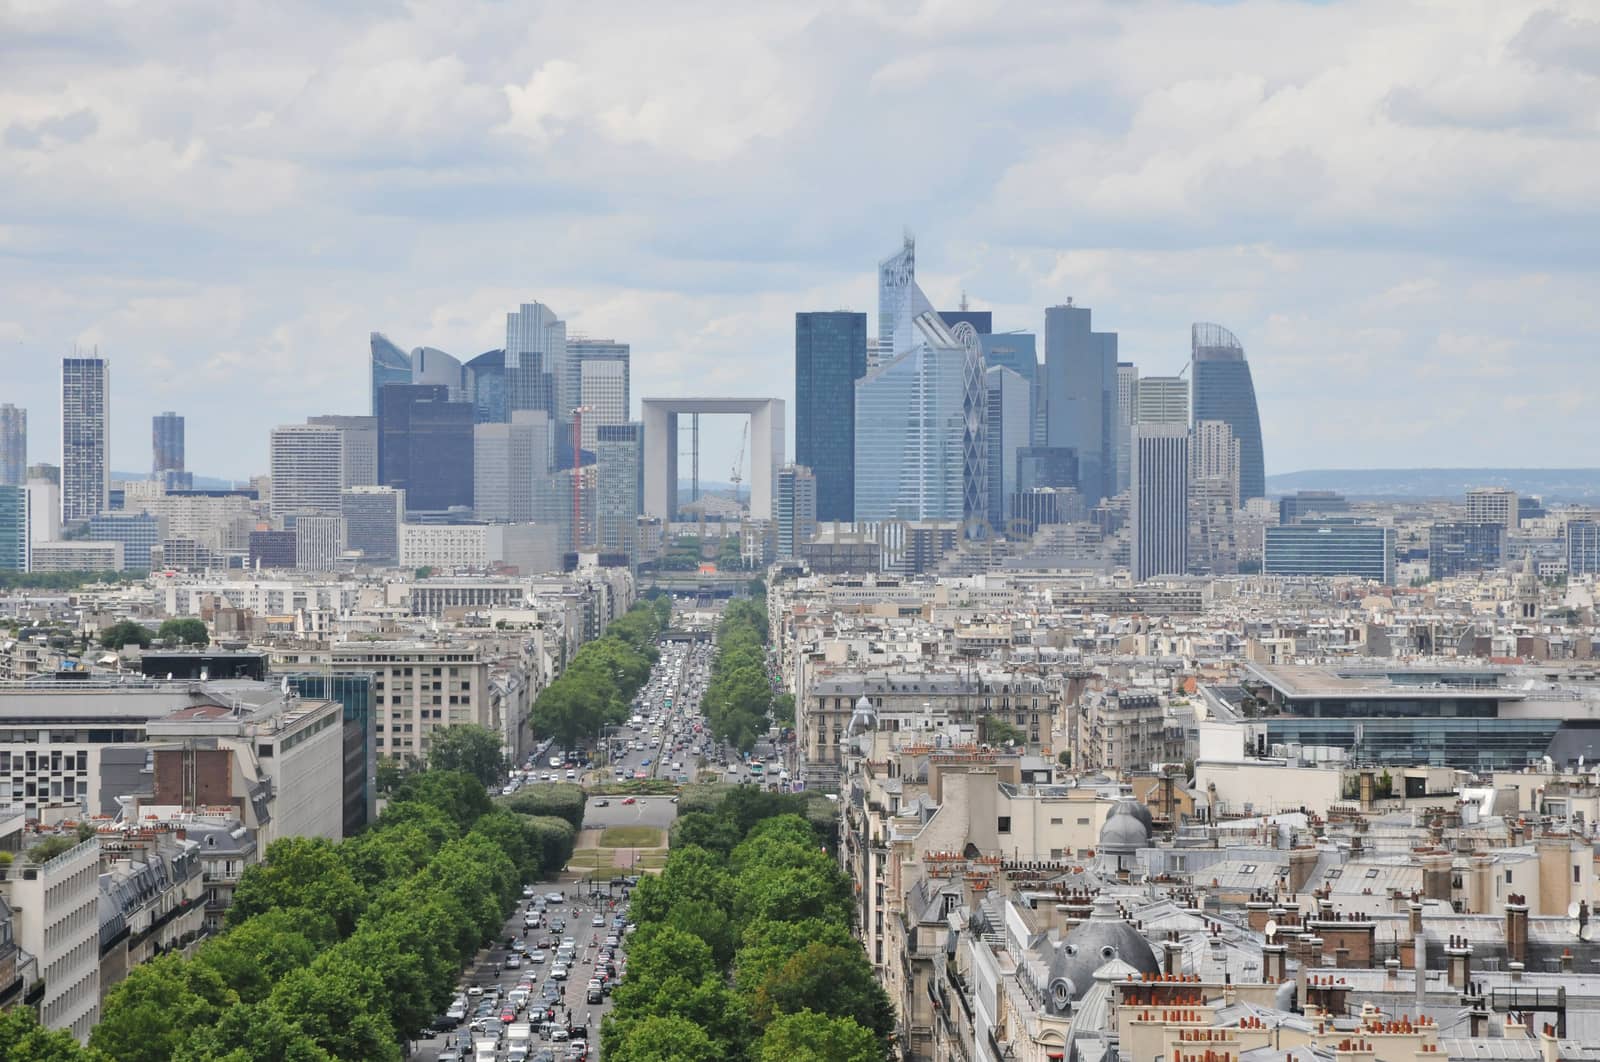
(390, 365)
(166, 445)
(1080, 380)
(830, 355)
(1223, 390)
(425, 446)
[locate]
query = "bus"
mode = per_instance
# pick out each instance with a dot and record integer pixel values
(756, 768)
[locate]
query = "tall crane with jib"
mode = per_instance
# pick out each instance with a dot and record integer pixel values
(736, 477)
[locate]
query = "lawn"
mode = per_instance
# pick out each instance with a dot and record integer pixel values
(589, 857)
(630, 837)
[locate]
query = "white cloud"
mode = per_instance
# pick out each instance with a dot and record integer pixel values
(1389, 201)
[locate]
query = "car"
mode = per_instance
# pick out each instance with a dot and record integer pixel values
(646, 761)
(674, 800)
(555, 897)
(558, 974)
(537, 957)
(559, 1034)
(527, 891)
(508, 1016)
(602, 802)
(594, 994)
(513, 961)
(629, 800)
(598, 921)
(449, 1054)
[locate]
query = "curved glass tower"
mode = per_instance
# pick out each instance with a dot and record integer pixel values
(1223, 390)
(390, 365)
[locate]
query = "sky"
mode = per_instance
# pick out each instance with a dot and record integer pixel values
(1391, 203)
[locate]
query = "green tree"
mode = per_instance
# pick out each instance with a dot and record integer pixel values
(783, 708)
(457, 794)
(126, 632)
(811, 1037)
(253, 957)
(185, 631)
(338, 1004)
(300, 872)
(767, 945)
(21, 1036)
(150, 1013)
(830, 979)
(468, 747)
(659, 1039)
(250, 1033)
(996, 731)
(714, 833)
(561, 800)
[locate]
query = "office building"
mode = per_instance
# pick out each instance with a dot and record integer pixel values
(1221, 389)
(536, 360)
(307, 462)
(431, 367)
(619, 485)
(1159, 399)
(1018, 351)
(1330, 549)
(982, 321)
(60, 901)
(485, 380)
(1158, 500)
(389, 365)
(272, 549)
(1010, 427)
(85, 431)
(794, 511)
(1305, 504)
(372, 519)
(77, 555)
(1053, 467)
(1214, 454)
(44, 510)
(319, 542)
(503, 468)
(13, 446)
(139, 533)
(1080, 367)
(1583, 548)
(1460, 546)
(830, 355)
(1493, 505)
(598, 372)
(425, 447)
(166, 449)
(909, 435)
(358, 436)
(16, 534)
(1127, 397)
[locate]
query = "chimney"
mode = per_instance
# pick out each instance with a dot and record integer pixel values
(1274, 965)
(1368, 785)
(1516, 973)
(1459, 962)
(1517, 928)
(1415, 911)
(1566, 960)
(1173, 964)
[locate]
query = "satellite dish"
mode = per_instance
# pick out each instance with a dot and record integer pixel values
(1271, 929)
(1572, 909)
(1586, 933)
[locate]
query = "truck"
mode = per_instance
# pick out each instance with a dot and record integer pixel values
(519, 1034)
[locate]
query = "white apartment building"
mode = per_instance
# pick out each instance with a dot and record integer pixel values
(57, 906)
(184, 596)
(307, 469)
(76, 556)
(318, 542)
(416, 686)
(444, 545)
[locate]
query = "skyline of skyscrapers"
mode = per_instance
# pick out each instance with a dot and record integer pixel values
(425, 446)
(166, 450)
(85, 429)
(1081, 395)
(1223, 390)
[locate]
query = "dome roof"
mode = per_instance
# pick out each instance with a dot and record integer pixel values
(1125, 830)
(1103, 938)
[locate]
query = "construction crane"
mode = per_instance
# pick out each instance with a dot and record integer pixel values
(737, 476)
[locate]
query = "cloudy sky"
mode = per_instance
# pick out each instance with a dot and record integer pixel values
(1392, 203)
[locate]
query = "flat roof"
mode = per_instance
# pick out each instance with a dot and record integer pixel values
(1301, 681)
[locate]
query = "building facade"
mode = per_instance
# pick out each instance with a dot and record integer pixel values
(16, 532)
(1222, 389)
(599, 372)
(1330, 549)
(85, 430)
(166, 447)
(389, 365)
(358, 437)
(830, 355)
(307, 462)
(1159, 500)
(909, 435)
(1010, 427)
(619, 485)
(425, 447)
(794, 511)
(372, 519)
(319, 541)
(13, 446)
(1159, 399)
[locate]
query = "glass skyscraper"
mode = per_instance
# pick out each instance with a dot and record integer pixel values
(536, 361)
(830, 355)
(1158, 500)
(390, 365)
(1330, 549)
(14, 529)
(1010, 415)
(1080, 367)
(166, 446)
(425, 447)
(909, 434)
(1223, 390)
(485, 378)
(619, 484)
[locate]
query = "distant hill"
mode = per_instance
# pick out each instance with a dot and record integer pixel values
(200, 482)
(1551, 484)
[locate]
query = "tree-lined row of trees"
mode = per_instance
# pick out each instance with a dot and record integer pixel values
(599, 682)
(333, 950)
(744, 949)
(738, 699)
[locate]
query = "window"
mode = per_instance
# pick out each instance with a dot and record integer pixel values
(1335, 872)
(1372, 872)
(1508, 877)
(1084, 821)
(1005, 824)
(1248, 868)
(1577, 875)
(1055, 822)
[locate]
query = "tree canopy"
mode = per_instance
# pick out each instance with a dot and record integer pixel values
(126, 632)
(184, 631)
(738, 699)
(468, 747)
(598, 685)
